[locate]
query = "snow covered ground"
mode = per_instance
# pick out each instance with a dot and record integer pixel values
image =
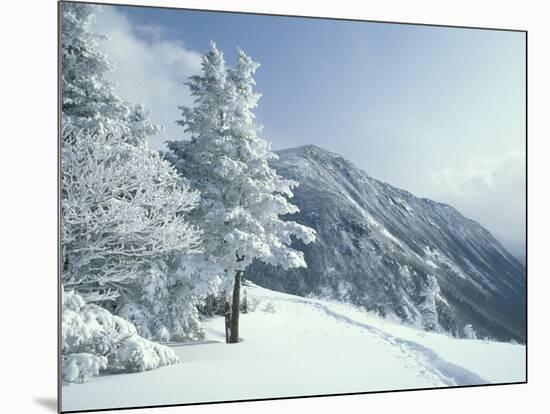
(294, 346)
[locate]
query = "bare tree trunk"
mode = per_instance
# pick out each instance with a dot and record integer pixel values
(227, 312)
(234, 334)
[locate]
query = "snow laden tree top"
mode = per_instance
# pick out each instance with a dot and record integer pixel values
(89, 100)
(227, 160)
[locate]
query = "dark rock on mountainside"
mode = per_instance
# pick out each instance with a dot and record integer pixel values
(386, 250)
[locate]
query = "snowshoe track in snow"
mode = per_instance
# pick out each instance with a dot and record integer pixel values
(430, 364)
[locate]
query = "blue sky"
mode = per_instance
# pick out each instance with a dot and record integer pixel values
(436, 111)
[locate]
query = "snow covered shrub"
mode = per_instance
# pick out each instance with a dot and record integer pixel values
(80, 367)
(393, 317)
(345, 289)
(93, 339)
(213, 305)
(269, 307)
(139, 354)
(178, 321)
(326, 292)
(165, 306)
(244, 303)
(139, 316)
(252, 304)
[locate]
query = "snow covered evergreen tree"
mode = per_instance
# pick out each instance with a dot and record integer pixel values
(242, 198)
(469, 331)
(428, 306)
(89, 101)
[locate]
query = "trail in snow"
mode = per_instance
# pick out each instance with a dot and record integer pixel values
(444, 360)
(436, 368)
(294, 346)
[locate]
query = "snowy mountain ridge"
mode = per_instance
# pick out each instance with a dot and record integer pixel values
(382, 248)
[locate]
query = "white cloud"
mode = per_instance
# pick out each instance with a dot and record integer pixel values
(491, 191)
(149, 69)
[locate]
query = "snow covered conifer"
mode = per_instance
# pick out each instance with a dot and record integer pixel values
(226, 159)
(469, 331)
(428, 306)
(89, 100)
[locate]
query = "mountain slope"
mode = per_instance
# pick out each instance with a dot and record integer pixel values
(383, 248)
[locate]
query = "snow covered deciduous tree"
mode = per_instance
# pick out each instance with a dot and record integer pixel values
(242, 198)
(123, 206)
